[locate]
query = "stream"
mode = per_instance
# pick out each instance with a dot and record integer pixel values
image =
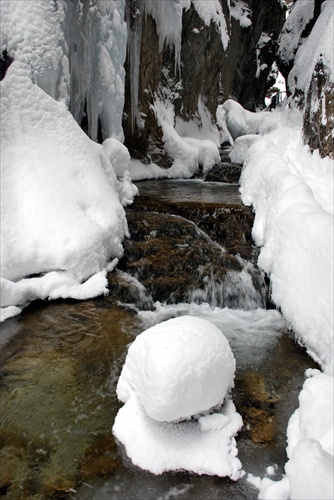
(190, 252)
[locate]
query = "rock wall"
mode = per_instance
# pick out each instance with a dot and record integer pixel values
(206, 70)
(305, 57)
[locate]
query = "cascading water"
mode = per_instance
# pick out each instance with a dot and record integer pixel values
(236, 290)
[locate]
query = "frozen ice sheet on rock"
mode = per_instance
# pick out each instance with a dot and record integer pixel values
(173, 370)
(178, 368)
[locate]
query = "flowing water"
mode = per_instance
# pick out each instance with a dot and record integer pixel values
(60, 363)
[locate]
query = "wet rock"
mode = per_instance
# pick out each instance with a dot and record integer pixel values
(318, 120)
(224, 172)
(172, 257)
(222, 215)
(125, 289)
(261, 424)
(100, 459)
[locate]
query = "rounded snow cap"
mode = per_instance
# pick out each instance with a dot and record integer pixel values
(178, 368)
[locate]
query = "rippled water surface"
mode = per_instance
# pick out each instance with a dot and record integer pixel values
(59, 373)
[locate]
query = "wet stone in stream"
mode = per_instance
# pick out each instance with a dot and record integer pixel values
(178, 262)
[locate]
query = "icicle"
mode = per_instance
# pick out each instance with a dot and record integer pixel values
(168, 19)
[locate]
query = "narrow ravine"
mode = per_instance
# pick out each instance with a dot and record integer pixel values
(60, 361)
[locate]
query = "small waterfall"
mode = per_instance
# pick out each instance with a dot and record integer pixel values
(244, 289)
(128, 290)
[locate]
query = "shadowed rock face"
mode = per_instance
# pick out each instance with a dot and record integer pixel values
(316, 100)
(207, 71)
(318, 119)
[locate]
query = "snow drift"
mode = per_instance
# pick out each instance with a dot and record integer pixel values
(61, 215)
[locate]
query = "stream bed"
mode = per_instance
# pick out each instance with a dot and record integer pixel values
(60, 362)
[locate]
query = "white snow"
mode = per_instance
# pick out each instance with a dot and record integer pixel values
(235, 121)
(290, 37)
(317, 47)
(189, 153)
(177, 369)
(211, 11)
(291, 191)
(61, 215)
(241, 12)
(31, 32)
(201, 447)
(76, 55)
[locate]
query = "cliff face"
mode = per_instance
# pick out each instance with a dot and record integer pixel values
(305, 57)
(216, 55)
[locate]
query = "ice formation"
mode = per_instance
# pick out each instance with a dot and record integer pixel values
(97, 37)
(32, 33)
(177, 369)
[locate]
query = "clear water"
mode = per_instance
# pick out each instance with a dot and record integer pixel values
(59, 366)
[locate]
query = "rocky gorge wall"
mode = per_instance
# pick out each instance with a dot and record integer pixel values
(305, 58)
(209, 63)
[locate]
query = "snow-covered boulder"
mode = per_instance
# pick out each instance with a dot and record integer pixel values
(174, 370)
(178, 368)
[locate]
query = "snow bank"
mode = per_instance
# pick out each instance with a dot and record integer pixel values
(174, 370)
(235, 121)
(295, 231)
(60, 210)
(291, 190)
(32, 33)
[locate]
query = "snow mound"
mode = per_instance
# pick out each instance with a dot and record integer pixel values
(178, 368)
(295, 230)
(61, 216)
(235, 121)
